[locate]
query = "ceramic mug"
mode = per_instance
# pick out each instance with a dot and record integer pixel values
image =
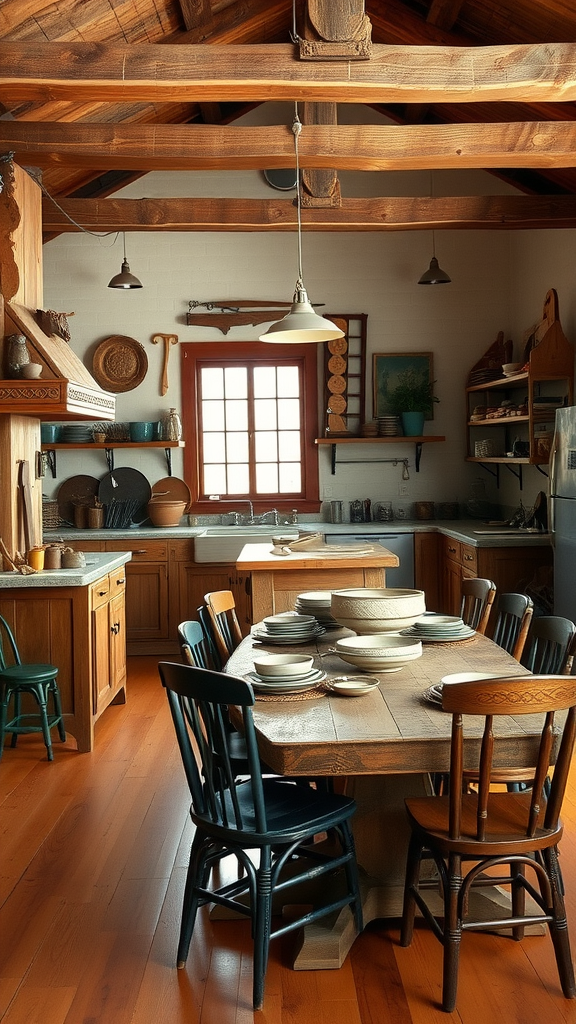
(142, 430)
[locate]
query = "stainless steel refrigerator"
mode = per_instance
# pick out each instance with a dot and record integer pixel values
(562, 512)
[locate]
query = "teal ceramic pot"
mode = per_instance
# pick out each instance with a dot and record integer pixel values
(142, 431)
(413, 424)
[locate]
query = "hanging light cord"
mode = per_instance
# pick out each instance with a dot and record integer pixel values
(95, 234)
(296, 129)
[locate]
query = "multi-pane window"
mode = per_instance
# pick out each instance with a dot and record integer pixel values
(250, 414)
(251, 438)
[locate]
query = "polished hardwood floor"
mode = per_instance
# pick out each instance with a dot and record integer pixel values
(93, 856)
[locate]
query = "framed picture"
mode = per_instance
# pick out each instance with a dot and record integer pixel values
(402, 382)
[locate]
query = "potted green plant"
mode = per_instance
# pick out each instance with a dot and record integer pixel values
(412, 400)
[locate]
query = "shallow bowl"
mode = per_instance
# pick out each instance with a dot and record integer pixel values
(283, 664)
(379, 662)
(379, 645)
(165, 513)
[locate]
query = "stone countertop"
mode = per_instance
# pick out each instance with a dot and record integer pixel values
(459, 529)
(98, 564)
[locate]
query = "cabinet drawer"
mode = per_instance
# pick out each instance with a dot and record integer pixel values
(452, 549)
(100, 592)
(142, 550)
(469, 558)
(117, 581)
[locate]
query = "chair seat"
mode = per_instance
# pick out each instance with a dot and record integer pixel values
(293, 812)
(27, 675)
(505, 825)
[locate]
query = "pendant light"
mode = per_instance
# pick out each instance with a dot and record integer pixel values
(434, 274)
(124, 279)
(301, 325)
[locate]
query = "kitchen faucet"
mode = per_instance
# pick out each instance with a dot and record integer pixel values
(271, 512)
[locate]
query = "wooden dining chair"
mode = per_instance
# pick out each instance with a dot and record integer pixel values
(210, 641)
(477, 600)
(550, 645)
(519, 832)
(193, 646)
(513, 617)
(222, 611)
(267, 824)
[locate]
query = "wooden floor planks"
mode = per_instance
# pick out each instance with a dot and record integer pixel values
(94, 854)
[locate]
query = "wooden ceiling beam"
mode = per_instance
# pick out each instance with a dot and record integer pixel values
(444, 13)
(395, 74)
(535, 144)
(394, 213)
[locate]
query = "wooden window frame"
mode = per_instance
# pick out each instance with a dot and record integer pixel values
(191, 353)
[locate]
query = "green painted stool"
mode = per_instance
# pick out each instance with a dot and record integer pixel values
(37, 680)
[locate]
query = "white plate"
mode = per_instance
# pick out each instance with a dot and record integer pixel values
(352, 686)
(313, 674)
(434, 621)
(262, 687)
(468, 677)
(267, 639)
(287, 620)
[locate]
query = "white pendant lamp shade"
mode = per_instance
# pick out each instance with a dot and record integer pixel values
(301, 325)
(435, 274)
(125, 279)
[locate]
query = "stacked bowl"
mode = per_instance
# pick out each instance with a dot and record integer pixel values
(387, 610)
(284, 673)
(378, 652)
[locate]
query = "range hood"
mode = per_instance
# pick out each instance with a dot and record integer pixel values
(66, 390)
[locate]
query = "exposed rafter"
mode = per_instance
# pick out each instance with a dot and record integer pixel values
(394, 213)
(395, 74)
(538, 144)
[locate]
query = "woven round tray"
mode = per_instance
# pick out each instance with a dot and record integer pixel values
(319, 691)
(119, 364)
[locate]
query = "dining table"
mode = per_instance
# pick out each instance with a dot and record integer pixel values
(379, 748)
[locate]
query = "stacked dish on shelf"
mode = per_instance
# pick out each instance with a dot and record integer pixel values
(317, 603)
(388, 426)
(434, 628)
(75, 433)
(287, 628)
(284, 673)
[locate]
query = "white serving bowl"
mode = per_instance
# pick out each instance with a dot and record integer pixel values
(377, 653)
(283, 664)
(377, 611)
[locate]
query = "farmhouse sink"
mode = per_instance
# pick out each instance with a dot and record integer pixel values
(224, 543)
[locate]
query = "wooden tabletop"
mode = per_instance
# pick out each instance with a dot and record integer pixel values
(255, 557)
(392, 729)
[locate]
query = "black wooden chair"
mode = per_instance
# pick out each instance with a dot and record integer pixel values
(513, 617)
(193, 645)
(35, 679)
(272, 818)
(206, 622)
(517, 831)
(550, 645)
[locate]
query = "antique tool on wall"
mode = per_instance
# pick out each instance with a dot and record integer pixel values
(168, 339)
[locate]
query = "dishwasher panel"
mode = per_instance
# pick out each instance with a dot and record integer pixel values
(401, 544)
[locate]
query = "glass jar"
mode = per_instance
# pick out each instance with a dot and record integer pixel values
(171, 426)
(17, 354)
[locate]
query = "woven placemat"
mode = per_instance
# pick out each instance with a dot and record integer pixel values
(452, 643)
(319, 691)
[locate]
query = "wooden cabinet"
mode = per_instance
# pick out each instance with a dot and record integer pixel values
(108, 635)
(427, 562)
(511, 568)
(193, 580)
(147, 601)
(82, 631)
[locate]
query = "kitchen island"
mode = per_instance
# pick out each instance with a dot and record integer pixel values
(74, 619)
(276, 580)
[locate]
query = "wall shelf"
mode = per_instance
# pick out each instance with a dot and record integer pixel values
(397, 439)
(108, 448)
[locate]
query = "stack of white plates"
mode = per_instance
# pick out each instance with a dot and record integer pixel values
(288, 628)
(286, 684)
(388, 426)
(434, 692)
(437, 628)
(317, 603)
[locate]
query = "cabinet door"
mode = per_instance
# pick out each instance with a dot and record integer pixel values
(117, 624)
(195, 581)
(146, 601)
(100, 658)
(427, 575)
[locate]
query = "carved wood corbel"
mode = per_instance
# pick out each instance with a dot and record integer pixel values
(336, 30)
